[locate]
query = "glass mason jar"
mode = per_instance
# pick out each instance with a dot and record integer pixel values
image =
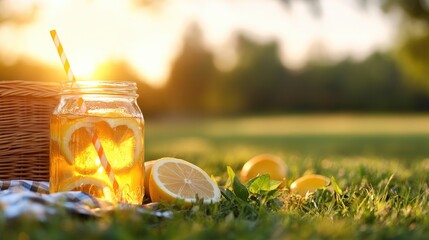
(97, 143)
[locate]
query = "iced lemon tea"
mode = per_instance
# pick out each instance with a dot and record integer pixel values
(110, 129)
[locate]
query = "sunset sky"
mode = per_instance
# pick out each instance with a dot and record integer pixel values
(150, 37)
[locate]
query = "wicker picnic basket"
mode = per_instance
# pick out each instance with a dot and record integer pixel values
(25, 108)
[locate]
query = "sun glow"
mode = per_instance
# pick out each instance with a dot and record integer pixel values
(84, 68)
(149, 39)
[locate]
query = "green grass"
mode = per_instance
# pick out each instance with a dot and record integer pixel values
(381, 169)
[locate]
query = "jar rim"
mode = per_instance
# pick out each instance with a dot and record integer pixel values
(100, 87)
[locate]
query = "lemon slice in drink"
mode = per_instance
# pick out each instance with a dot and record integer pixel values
(121, 139)
(77, 147)
(173, 179)
(93, 186)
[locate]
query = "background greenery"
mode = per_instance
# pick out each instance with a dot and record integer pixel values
(383, 177)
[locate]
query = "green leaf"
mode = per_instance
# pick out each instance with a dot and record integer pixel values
(248, 183)
(261, 183)
(231, 173)
(227, 194)
(337, 188)
(230, 179)
(272, 194)
(274, 184)
(239, 189)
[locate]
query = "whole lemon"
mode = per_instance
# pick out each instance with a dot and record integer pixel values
(308, 183)
(264, 164)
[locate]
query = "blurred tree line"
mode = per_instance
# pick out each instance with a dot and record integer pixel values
(393, 81)
(259, 83)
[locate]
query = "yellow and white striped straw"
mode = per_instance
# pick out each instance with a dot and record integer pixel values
(82, 107)
(62, 55)
(66, 65)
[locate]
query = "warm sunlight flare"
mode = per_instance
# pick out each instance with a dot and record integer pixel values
(84, 68)
(149, 36)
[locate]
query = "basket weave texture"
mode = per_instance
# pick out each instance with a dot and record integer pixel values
(25, 109)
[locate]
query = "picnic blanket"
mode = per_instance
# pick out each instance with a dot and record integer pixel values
(32, 198)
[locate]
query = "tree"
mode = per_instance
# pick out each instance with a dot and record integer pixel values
(258, 81)
(192, 76)
(413, 46)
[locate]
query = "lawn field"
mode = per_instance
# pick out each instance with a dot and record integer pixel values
(380, 163)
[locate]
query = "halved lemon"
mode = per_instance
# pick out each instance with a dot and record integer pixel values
(264, 164)
(93, 186)
(173, 179)
(121, 139)
(308, 183)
